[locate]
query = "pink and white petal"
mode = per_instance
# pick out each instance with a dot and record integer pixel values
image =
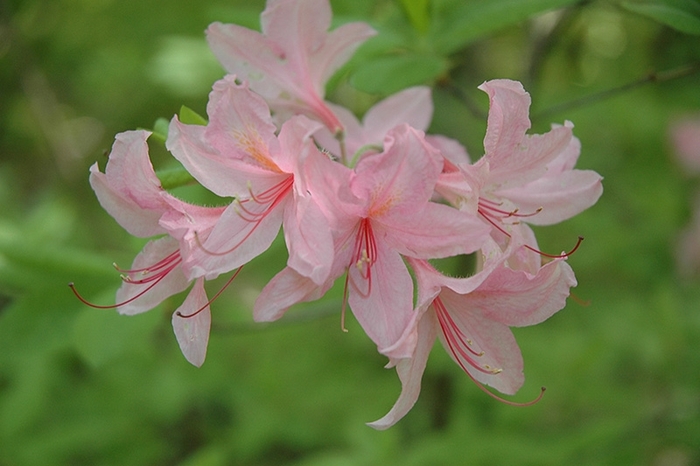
(130, 215)
(249, 55)
(286, 289)
(494, 339)
(309, 240)
(434, 231)
(413, 106)
(129, 190)
(161, 278)
(454, 152)
(519, 257)
(528, 160)
(508, 119)
(297, 148)
(236, 239)
(404, 175)
(382, 303)
(517, 298)
(338, 47)
(240, 126)
(130, 171)
(224, 176)
(192, 332)
(567, 159)
(557, 197)
(410, 372)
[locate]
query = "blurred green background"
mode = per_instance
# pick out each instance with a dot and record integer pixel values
(621, 362)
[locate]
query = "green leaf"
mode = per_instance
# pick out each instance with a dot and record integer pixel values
(171, 178)
(387, 75)
(160, 129)
(190, 117)
(681, 15)
(417, 12)
(472, 20)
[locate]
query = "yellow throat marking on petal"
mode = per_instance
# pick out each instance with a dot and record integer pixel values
(252, 144)
(378, 209)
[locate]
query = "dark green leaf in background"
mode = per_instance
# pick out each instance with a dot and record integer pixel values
(681, 15)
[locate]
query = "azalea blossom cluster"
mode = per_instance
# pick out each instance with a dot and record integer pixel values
(370, 202)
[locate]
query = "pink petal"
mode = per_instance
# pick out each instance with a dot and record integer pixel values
(410, 372)
(249, 55)
(434, 231)
(508, 118)
(240, 126)
(222, 176)
(286, 289)
(382, 304)
(517, 298)
(515, 158)
(559, 197)
(236, 239)
(130, 190)
(308, 237)
(453, 151)
(291, 61)
(413, 106)
(401, 177)
(192, 333)
(172, 282)
(492, 338)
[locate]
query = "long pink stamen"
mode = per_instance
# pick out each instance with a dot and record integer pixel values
(272, 196)
(364, 254)
(218, 293)
(487, 211)
(153, 275)
(457, 342)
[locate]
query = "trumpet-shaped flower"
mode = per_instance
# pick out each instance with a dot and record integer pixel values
(471, 317)
(270, 177)
(290, 62)
(130, 191)
(385, 214)
(521, 177)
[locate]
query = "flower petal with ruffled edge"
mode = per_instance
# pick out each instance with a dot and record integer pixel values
(290, 62)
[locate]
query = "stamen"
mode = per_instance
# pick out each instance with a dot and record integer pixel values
(345, 303)
(218, 293)
(454, 336)
(535, 250)
(364, 255)
(153, 275)
(272, 196)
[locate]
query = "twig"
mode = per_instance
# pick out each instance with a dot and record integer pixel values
(653, 77)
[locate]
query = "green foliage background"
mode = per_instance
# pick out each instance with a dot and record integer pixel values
(83, 386)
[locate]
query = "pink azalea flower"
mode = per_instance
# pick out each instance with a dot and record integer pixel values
(271, 178)
(130, 191)
(471, 317)
(290, 62)
(384, 216)
(521, 177)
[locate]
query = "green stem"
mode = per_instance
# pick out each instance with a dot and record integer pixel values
(653, 77)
